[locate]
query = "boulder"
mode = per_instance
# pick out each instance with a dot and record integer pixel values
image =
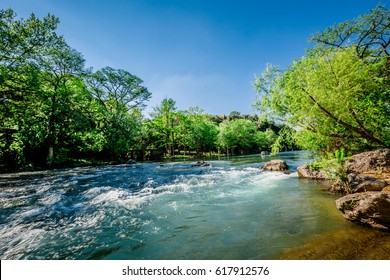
(306, 172)
(371, 209)
(369, 184)
(276, 165)
(369, 162)
(361, 183)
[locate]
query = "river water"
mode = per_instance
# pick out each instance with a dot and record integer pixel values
(230, 210)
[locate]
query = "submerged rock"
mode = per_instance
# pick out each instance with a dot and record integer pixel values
(202, 163)
(276, 165)
(131, 161)
(370, 209)
(306, 172)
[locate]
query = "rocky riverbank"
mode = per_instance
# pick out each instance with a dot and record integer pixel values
(367, 179)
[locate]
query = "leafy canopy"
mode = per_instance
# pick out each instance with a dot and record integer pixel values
(338, 94)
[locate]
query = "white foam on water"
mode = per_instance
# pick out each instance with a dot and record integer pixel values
(50, 199)
(11, 202)
(87, 221)
(95, 191)
(117, 197)
(174, 205)
(30, 212)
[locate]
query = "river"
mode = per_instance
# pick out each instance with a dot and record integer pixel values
(175, 210)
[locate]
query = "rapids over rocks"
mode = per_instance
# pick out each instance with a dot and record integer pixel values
(229, 210)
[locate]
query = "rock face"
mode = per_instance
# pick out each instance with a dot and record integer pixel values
(373, 161)
(276, 165)
(370, 209)
(307, 172)
(361, 183)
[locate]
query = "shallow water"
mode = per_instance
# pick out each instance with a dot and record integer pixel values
(231, 210)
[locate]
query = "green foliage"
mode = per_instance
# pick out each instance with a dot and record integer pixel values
(333, 163)
(166, 125)
(49, 104)
(338, 94)
(199, 134)
(237, 133)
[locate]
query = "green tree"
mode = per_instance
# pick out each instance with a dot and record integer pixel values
(338, 94)
(237, 134)
(166, 124)
(61, 69)
(200, 133)
(121, 95)
(21, 41)
(369, 34)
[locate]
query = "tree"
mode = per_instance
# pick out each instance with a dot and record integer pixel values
(121, 95)
(117, 89)
(237, 134)
(61, 68)
(369, 34)
(338, 94)
(200, 133)
(21, 41)
(165, 124)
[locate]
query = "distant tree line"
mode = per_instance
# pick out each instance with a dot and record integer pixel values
(54, 111)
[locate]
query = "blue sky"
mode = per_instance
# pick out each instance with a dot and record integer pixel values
(200, 53)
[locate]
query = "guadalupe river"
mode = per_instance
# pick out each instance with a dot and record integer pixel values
(230, 210)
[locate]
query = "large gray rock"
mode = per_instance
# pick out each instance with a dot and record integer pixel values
(374, 161)
(370, 209)
(307, 172)
(276, 165)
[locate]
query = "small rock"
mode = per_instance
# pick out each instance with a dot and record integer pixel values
(276, 165)
(202, 163)
(131, 161)
(370, 209)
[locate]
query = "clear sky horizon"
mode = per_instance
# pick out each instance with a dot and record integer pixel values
(200, 53)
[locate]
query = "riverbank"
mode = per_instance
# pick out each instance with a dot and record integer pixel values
(365, 177)
(364, 180)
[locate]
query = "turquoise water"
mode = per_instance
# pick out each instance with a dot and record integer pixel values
(231, 210)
